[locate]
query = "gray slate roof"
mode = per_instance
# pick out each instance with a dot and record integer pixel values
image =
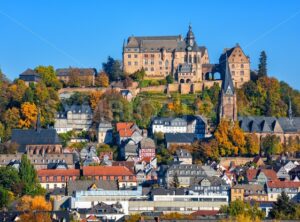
(179, 137)
(263, 124)
(84, 185)
(169, 121)
(32, 137)
(84, 108)
(82, 71)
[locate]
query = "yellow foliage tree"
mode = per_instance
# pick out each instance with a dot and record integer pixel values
(102, 80)
(95, 97)
(28, 115)
(35, 209)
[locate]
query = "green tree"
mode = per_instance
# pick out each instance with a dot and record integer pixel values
(113, 69)
(28, 177)
(262, 66)
(138, 75)
(4, 197)
(9, 179)
(284, 208)
(271, 144)
(170, 79)
(48, 76)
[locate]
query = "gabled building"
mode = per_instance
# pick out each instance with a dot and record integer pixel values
(105, 132)
(182, 156)
(169, 125)
(121, 174)
(291, 188)
(128, 130)
(83, 76)
(55, 178)
(261, 176)
(30, 76)
(37, 141)
(74, 117)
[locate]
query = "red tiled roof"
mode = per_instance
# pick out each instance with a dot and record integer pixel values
(283, 184)
(270, 174)
(124, 129)
(58, 172)
(106, 171)
(251, 174)
(205, 213)
(124, 125)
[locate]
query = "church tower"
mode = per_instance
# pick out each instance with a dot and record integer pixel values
(228, 107)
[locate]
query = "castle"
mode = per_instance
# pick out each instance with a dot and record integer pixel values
(182, 58)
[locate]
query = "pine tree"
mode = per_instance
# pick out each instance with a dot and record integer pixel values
(283, 208)
(262, 67)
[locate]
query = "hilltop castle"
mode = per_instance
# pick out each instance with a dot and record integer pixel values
(182, 58)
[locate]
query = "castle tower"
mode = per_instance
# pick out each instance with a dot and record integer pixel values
(228, 107)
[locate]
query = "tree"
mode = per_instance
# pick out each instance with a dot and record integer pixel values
(175, 182)
(102, 80)
(139, 75)
(127, 82)
(95, 97)
(35, 209)
(4, 197)
(206, 150)
(252, 144)
(262, 67)
(48, 76)
(28, 114)
(10, 180)
(271, 144)
(240, 209)
(170, 79)
(28, 177)
(74, 77)
(284, 208)
(113, 68)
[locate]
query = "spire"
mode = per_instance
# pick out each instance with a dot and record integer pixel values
(228, 86)
(38, 122)
(190, 37)
(290, 109)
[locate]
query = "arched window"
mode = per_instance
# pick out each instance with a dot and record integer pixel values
(190, 58)
(167, 63)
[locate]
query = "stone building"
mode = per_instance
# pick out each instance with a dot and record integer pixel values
(105, 132)
(75, 117)
(239, 65)
(166, 55)
(182, 58)
(83, 76)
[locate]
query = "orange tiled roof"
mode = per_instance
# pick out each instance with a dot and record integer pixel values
(251, 174)
(270, 174)
(124, 129)
(58, 172)
(283, 184)
(106, 171)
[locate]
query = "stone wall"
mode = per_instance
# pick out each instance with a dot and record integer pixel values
(161, 89)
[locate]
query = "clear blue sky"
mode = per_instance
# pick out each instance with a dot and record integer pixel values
(83, 33)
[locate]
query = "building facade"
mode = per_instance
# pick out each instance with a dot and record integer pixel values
(161, 56)
(75, 117)
(77, 76)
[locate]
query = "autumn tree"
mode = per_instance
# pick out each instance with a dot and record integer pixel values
(74, 77)
(16, 92)
(48, 76)
(252, 144)
(206, 150)
(271, 144)
(292, 145)
(35, 209)
(102, 80)
(95, 97)
(175, 182)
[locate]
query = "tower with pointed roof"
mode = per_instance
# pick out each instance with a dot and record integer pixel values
(228, 107)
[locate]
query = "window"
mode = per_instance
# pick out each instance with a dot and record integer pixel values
(232, 66)
(63, 178)
(242, 65)
(135, 56)
(129, 63)
(47, 186)
(54, 178)
(129, 56)
(233, 72)
(47, 178)
(152, 55)
(242, 72)
(70, 178)
(152, 69)
(55, 185)
(136, 63)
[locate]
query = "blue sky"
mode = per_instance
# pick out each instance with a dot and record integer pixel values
(83, 33)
